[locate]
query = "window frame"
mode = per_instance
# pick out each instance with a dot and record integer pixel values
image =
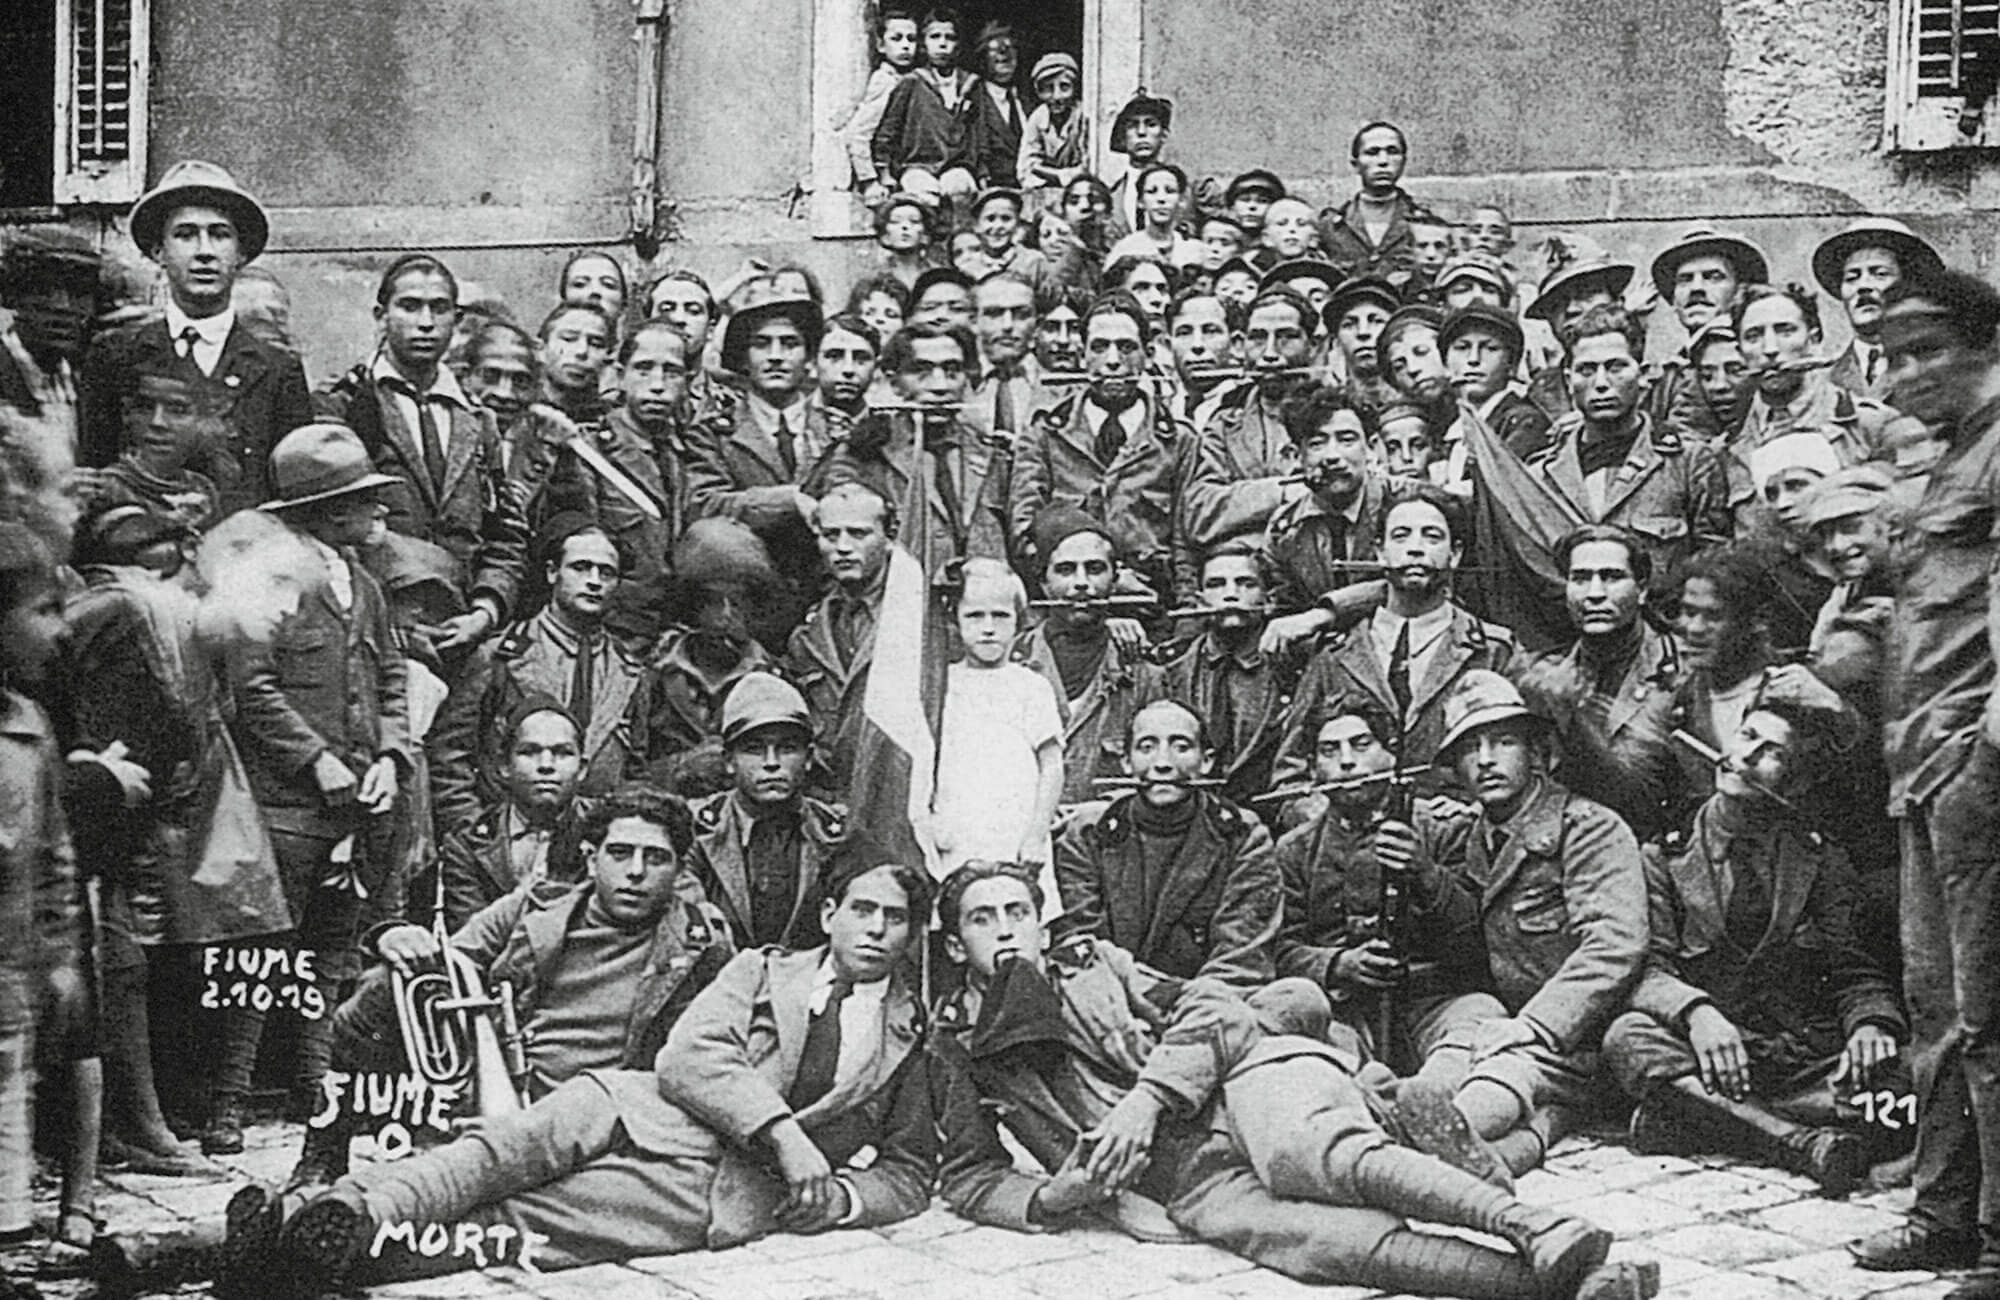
(1913, 123)
(81, 182)
(1112, 61)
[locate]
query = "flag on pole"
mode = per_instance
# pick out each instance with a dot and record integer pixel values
(895, 760)
(1517, 520)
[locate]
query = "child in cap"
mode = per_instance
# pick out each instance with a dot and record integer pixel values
(1055, 144)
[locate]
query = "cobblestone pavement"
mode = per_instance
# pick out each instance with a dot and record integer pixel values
(1720, 1231)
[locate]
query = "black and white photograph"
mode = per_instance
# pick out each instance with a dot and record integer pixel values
(999, 650)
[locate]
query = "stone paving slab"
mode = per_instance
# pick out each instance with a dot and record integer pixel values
(1720, 1231)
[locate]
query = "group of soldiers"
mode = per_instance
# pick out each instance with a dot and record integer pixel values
(1470, 727)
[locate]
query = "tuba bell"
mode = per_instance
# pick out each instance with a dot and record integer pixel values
(457, 1034)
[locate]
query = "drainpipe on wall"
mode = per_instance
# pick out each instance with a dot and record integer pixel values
(651, 35)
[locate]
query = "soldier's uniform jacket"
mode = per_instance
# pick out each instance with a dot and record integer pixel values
(833, 690)
(1095, 723)
(1232, 485)
(480, 517)
(1848, 372)
(1859, 428)
(1669, 492)
(1214, 906)
(477, 861)
(722, 834)
(519, 939)
(1198, 677)
(468, 743)
(1563, 905)
(1348, 667)
(1118, 1024)
(1805, 978)
(687, 720)
(1305, 541)
(1333, 900)
(653, 464)
(878, 453)
(1615, 740)
(1136, 494)
(734, 470)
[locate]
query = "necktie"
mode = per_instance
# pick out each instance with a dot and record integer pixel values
(1003, 402)
(583, 681)
(1013, 113)
(1110, 437)
(1399, 670)
(433, 445)
(1874, 365)
(944, 459)
(788, 451)
(184, 342)
(821, 1055)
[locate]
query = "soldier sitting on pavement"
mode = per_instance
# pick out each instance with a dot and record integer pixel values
(1760, 1014)
(1138, 1093)
(1171, 872)
(600, 967)
(1400, 984)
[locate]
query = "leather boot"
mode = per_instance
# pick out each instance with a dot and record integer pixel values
(1427, 1263)
(1682, 1117)
(323, 1158)
(1429, 1121)
(1558, 1248)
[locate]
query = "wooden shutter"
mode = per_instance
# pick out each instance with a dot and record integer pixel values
(103, 53)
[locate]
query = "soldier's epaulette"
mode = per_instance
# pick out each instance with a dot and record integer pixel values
(1055, 417)
(1228, 818)
(513, 642)
(708, 812)
(1075, 952)
(829, 818)
(705, 924)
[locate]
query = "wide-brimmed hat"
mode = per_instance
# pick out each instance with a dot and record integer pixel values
(1911, 249)
(1481, 699)
(1255, 181)
(763, 700)
(1140, 105)
(317, 462)
(1578, 278)
(203, 183)
(744, 324)
(1707, 241)
(1483, 315)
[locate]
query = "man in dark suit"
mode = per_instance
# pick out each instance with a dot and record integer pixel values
(1113, 449)
(413, 417)
(775, 1077)
(322, 721)
(202, 228)
(1410, 652)
(1238, 690)
(764, 843)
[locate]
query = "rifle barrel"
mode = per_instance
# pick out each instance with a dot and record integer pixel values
(1399, 775)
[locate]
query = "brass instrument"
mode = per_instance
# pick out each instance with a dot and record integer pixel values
(457, 1034)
